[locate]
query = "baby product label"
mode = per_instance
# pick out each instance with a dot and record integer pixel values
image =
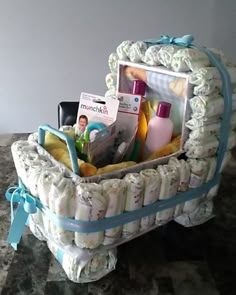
(129, 103)
(96, 128)
(97, 109)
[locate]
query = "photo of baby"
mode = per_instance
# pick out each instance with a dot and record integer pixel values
(81, 124)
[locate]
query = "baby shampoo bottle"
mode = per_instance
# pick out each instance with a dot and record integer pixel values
(160, 129)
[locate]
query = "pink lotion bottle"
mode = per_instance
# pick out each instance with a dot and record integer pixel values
(160, 129)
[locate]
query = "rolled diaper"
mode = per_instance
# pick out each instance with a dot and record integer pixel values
(194, 123)
(110, 92)
(81, 266)
(189, 59)
(201, 149)
(19, 151)
(123, 49)
(208, 80)
(137, 51)
(113, 62)
(207, 147)
(201, 214)
(184, 176)
(211, 73)
(184, 173)
(199, 171)
(34, 171)
(35, 228)
(151, 57)
(90, 205)
(111, 80)
(209, 106)
(134, 200)
(166, 53)
(212, 162)
(152, 185)
(62, 202)
(115, 192)
(220, 54)
(169, 186)
(203, 133)
(45, 181)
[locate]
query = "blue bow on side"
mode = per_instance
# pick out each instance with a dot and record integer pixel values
(26, 205)
(185, 40)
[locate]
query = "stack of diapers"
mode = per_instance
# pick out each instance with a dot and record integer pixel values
(121, 206)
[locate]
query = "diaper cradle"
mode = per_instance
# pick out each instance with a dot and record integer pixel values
(84, 219)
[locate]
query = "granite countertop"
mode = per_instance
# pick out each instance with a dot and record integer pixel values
(169, 260)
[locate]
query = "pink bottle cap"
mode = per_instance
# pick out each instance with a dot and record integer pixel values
(163, 110)
(139, 87)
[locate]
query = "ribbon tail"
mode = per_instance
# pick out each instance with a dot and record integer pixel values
(17, 226)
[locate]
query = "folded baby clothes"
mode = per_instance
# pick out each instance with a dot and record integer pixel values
(151, 57)
(111, 80)
(134, 200)
(123, 49)
(115, 192)
(81, 266)
(169, 186)
(152, 186)
(166, 53)
(137, 51)
(189, 59)
(113, 62)
(90, 205)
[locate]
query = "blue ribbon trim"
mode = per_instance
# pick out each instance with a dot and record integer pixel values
(185, 40)
(19, 220)
(26, 205)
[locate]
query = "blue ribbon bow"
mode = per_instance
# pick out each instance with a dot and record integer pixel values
(185, 40)
(26, 205)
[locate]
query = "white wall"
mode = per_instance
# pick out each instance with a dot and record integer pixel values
(52, 50)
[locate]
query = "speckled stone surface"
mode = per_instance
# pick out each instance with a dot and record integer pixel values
(171, 260)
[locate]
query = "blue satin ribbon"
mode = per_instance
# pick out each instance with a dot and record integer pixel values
(26, 205)
(185, 40)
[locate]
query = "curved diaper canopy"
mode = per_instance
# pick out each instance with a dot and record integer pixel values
(83, 219)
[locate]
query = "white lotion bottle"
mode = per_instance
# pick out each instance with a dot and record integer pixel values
(160, 129)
